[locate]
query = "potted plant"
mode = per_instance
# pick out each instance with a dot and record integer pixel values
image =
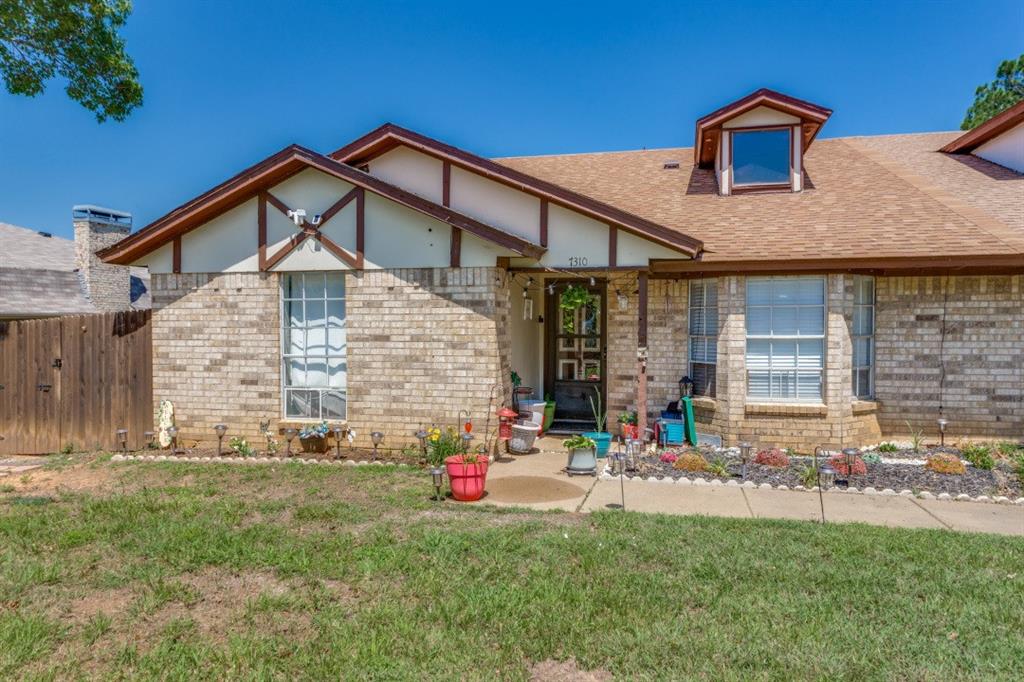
(549, 412)
(600, 436)
(628, 422)
(582, 455)
(467, 471)
(314, 438)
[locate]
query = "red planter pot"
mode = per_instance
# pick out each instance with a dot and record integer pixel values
(629, 431)
(467, 480)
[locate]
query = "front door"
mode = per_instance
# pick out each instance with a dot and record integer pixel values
(575, 335)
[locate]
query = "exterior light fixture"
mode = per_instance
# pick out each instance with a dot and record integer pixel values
(150, 436)
(289, 434)
(220, 430)
(621, 298)
(122, 438)
(551, 289)
(421, 436)
(437, 478)
(466, 438)
(851, 457)
(172, 431)
(826, 477)
(376, 437)
(745, 449)
(943, 423)
(592, 281)
(338, 430)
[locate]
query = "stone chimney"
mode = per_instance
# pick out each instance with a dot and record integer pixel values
(107, 286)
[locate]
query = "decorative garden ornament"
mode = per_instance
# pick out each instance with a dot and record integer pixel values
(164, 421)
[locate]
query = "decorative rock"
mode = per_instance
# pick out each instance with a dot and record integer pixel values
(765, 486)
(782, 487)
(852, 489)
(983, 498)
(906, 493)
(799, 488)
(925, 495)
(963, 497)
(117, 458)
(870, 491)
(1019, 500)
(732, 483)
(161, 458)
(700, 481)
(1001, 500)
(816, 489)
(887, 491)
(715, 481)
(349, 463)
(748, 484)
(944, 496)
(684, 481)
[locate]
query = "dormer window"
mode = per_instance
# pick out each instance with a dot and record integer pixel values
(761, 158)
(757, 143)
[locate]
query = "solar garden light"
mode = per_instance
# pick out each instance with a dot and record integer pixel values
(943, 422)
(220, 430)
(437, 477)
(421, 436)
(851, 458)
(122, 437)
(745, 449)
(466, 438)
(172, 431)
(150, 436)
(337, 438)
(377, 438)
(289, 434)
(826, 476)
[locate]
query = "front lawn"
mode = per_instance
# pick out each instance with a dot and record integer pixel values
(195, 571)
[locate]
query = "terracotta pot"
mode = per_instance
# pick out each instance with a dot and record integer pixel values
(467, 480)
(629, 431)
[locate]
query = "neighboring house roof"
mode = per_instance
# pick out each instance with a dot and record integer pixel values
(994, 127)
(866, 200)
(39, 276)
(812, 117)
(389, 136)
(273, 170)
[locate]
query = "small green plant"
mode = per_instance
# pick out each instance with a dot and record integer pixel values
(945, 464)
(888, 447)
(717, 467)
(978, 455)
(1008, 448)
(579, 442)
(1018, 464)
(517, 380)
(314, 431)
(916, 437)
(68, 448)
(599, 415)
(809, 476)
(7, 488)
(790, 452)
(241, 446)
(871, 458)
(442, 444)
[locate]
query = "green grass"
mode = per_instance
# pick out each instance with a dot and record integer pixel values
(193, 572)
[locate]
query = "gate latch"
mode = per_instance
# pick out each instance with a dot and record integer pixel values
(57, 363)
(44, 387)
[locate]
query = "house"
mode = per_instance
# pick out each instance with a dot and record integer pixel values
(42, 275)
(817, 291)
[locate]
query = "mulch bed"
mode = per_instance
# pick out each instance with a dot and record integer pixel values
(999, 481)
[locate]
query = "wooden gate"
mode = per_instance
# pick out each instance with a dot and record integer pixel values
(75, 379)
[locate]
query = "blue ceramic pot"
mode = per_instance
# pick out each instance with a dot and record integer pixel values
(603, 440)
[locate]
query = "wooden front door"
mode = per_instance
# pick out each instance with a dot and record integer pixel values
(574, 358)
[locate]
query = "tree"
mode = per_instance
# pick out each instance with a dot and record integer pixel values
(76, 40)
(999, 95)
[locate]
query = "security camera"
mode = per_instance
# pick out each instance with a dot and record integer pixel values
(298, 215)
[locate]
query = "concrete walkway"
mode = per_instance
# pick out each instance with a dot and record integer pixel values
(537, 481)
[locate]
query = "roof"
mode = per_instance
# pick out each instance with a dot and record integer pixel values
(389, 136)
(708, 127)
(39, 276)
(994, 127)
(274, 169)
(865, 199)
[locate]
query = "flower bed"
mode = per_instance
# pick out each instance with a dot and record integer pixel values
(999, 481)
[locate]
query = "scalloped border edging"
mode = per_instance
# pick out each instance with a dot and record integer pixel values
(885, 492)
(252, 460)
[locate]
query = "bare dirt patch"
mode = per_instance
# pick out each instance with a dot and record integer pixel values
(565, 671)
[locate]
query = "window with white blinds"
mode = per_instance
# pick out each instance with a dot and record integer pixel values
(703, 335)
(785, 338)
(863, 336)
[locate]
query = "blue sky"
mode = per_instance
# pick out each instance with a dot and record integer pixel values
(228, 83)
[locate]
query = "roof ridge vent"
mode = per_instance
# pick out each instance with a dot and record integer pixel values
(44, 234)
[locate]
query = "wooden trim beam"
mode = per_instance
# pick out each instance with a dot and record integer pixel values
(176, 255)
(361, 228)
(342, 254)
(1000, 263)
(446, 183)
(641, 326)
(613, 245)
(277, 203)
(293, 243)
(544, 223)
(455, 250)
(261, 230)
(337, 206)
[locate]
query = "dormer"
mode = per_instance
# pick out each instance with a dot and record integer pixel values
(757, 143)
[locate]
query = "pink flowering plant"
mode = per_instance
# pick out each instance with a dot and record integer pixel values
(669, 457)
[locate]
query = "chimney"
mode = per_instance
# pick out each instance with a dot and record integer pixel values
(107, 286)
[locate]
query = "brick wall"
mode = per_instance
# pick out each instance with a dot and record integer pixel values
(107, 286)
(970, 327)
(216, 346)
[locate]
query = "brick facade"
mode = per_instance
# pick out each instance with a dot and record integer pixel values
(107, 286)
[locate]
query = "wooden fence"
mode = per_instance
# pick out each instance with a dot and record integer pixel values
(75, 379)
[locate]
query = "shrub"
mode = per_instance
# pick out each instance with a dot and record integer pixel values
(978, 455)
(669, 457)
(1008, 448)
(838, 462)
(888, 447)
(691, 461)
(809, 476)
(1018, 465)
(241, 446)
(945, 464)
(872, 458)
(717, 467)
(772, 458)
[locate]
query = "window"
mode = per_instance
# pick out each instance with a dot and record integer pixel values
(761, 157)
(863, 336)
(313, 345)
(703, 335)
(785, 337)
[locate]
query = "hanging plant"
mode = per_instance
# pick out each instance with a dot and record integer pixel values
(574, 297)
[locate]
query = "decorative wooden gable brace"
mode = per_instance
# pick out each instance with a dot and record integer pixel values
(310, 230)
(390, 136)
(259, 178)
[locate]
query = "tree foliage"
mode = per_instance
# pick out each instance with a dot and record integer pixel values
(76, 40)
(999, 95)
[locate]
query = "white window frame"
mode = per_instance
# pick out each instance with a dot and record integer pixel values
(703, 340)
(869, 310)
(788, 338)
(788, 182)
(285, 356)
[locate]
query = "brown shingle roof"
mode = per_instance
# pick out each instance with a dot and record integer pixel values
(867, 198)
